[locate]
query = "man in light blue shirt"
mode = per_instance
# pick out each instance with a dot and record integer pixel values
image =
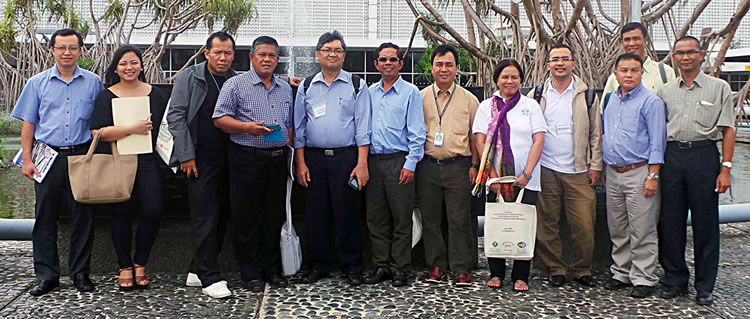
(397, 144)
(55, 107)
(332, 141)
(633, 149)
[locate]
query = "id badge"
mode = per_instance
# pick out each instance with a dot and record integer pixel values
(319, 110)
(439, 136)
(564, 129)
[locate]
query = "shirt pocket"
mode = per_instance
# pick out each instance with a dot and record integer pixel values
(630, 120)
(85, 107)
(458, 120)
(395, 117)
(346, 110)
(706, 115)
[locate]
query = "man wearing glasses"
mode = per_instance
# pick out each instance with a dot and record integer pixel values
(397, 145)
(332, 141)
(55, 107)
(699, 113)
(571, 163)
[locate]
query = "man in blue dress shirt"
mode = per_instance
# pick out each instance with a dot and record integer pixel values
(633, 149)
(55, 107)
(255, 108)
(397, 144)
(332, 122)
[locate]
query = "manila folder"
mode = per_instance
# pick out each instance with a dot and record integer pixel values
(126, 111)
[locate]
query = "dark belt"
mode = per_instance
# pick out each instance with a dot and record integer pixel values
(331, 151)
(390, 156)
(268, 152)
(442, 161)
(623, 169)
(691, 144)
(71, 148)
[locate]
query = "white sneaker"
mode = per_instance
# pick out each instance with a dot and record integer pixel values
(193, 280)
(217, 290)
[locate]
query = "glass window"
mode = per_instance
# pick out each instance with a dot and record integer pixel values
(354, 61)
(180, 57)
(165, 60)
(372, 78)
(370, 58)
(241, 60)
(407, 63)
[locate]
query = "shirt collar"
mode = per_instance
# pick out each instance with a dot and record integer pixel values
(497, 93)
(395, 87)
(255, 79)
(649, 62)
(341, 77)
(56, 73)
(632, 92)
(571, 86)
(699, 81)
(441, 91)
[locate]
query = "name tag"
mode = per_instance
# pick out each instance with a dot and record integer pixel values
(563, 129)
(705, 103)
(319, 110)
(439, 136)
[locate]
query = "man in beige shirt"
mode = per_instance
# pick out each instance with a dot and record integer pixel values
(699, 113)
(448, 169)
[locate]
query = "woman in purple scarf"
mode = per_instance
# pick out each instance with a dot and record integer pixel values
(509, 130)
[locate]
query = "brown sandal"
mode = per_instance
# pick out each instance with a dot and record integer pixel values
(126, 283)
(141, 281)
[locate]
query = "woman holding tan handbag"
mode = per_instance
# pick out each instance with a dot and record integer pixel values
(509, 130)
(124, 78)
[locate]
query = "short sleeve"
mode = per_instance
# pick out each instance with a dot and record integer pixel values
(726, 117)
(482, 118)
(102, 115)
(538, 124)
(27, 107)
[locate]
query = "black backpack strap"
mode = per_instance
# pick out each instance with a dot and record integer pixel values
(538, 90)
(663, 73)
(355, 83)
(606, 100)
(308, 81)
(590, 96)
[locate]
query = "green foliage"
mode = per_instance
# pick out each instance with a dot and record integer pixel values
(9, 125)
(86, 63)
(7, 27)
(233, 13)
(466, 62)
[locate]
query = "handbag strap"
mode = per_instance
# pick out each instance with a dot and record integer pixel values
(289, 203)
(94, 144)
(505, 180)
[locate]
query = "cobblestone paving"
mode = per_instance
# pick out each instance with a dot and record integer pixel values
(332, 297)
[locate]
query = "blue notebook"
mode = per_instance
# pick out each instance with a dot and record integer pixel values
(276, 135)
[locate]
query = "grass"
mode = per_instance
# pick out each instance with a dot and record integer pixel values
(9, 125)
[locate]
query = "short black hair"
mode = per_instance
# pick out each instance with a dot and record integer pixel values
(223, 36)
(328, 37)
(66, 32)
(633, 26)
(264, 39)
(504, 64)
(443, 49)
(688, 37)
(628, 56)
(387, 45)
(110, 76)
(562, 46)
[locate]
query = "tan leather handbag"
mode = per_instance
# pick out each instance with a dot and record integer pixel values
(102, 178)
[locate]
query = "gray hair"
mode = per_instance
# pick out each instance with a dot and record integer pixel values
(328, 37)
(264, 39)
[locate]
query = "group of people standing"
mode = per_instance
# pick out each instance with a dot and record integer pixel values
(233, 135)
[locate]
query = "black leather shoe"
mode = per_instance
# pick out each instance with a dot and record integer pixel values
(83, 283)
(673, 292)
(557, 280)
(277, 281)
(313, 276)
(587, 281)
(354, 278)
(704, 298)
(614, 284)
(377, 276)
(399, 278)
(255, 285)
(43, 287)
(640, 291)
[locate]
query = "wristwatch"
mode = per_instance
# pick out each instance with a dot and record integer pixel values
(727, 164)
(475, 165)
(653, 176)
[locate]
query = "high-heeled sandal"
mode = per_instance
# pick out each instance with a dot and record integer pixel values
(127, 283)
(139, 280)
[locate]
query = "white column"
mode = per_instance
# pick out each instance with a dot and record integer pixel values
(635, 10)
(372, 27)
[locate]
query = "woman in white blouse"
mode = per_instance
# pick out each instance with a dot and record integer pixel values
(511, 125)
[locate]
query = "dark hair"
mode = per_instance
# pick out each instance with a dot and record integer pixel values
(110, 77)
(628, 56)
(506, 63)
(562, 46)
(264, 39)
(688, 37)
(387, 45)
(66, 32)
(443, 49)
(223, 36)
(633, 26)
(328, 37)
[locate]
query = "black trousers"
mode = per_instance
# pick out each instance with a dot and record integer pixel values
(147, 199)
(209, 213)
(328, 196)
(688, 180)
(258, 191)
(521, 268)
(53, 196)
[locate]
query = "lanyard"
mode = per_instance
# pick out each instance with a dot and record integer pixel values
(445, 108)
(217, 83)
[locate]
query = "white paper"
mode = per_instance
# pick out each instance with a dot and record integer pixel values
(319, 110)
(165, 141)
(42, 156)
(509, 229)
(126, 111)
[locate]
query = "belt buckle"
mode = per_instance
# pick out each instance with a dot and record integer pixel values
(277, 153)
(66, 148)
(328, 152)
(685, 145)
(439, 161)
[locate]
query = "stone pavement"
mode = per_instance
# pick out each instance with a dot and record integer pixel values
(332, 297)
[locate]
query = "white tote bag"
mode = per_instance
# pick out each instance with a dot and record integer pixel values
(509, 227)
(164, 141)
(416, 229)
(291, 252)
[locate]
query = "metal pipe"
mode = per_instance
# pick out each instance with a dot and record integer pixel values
(16, 229)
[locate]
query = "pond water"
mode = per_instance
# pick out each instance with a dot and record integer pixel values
(17, 192)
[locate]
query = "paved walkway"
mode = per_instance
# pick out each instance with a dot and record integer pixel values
(169, 298)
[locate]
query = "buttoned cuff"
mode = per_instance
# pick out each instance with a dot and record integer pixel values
(362, 140)
(299, 141)
(410, 165)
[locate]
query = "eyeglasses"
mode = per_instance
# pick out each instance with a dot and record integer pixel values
(329, 50)
(391, 59)
(63, 48)
(684, 53)
(560, 59)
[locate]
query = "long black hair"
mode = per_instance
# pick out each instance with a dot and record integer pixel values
(110, 77)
